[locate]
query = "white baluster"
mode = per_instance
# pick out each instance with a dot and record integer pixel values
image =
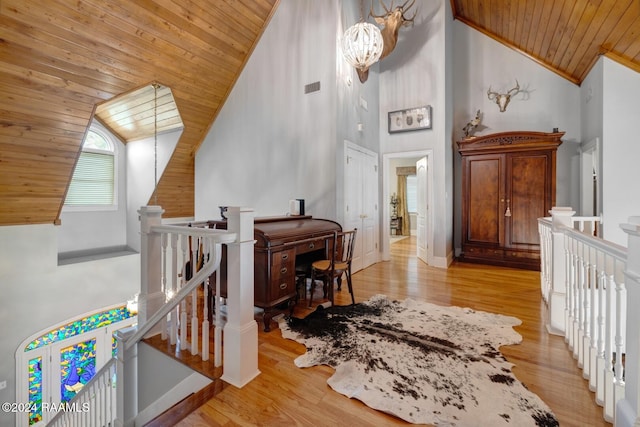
(576, 294)
(577, 301)
(608, 408)
(593, 330)
(620, 334)
(568, 306)
(163, 323)
(217, 332)
(183, 304)
(584, 304)
(206, 325)
(205, 321)
(194, 322)
(602, 313)
(586, 322)
(173, 316)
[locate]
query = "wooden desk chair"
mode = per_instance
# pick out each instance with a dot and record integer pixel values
(338, 264)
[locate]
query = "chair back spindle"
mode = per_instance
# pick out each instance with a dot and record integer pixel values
(340, 254)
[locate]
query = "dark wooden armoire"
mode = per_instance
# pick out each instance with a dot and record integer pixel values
(508, 182)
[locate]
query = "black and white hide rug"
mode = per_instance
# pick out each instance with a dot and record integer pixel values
(421, 362)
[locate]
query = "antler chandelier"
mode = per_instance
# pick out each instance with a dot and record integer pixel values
(362, 44)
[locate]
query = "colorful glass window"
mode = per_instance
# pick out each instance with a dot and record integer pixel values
(77, 367)
(77, 361)
(86, 324)
(35, 390)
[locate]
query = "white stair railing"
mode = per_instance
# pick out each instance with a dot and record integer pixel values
(112, 407)
(546, 252)
(584, 224)
(188, 325)
(168, 306)
(587, 282)
(95, 404)
(596, 314)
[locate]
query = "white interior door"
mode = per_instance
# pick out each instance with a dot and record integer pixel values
(369, 210)
(353, 202)
(422, 207)
(589, 178)
(361, 203)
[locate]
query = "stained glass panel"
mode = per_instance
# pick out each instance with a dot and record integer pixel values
(114, 346)
(77, 367)
(35, 389)
(86, 324)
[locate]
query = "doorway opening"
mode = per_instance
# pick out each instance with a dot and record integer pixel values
(407, 180)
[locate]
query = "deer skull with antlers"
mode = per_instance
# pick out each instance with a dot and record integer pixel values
(390, 22)
(502, 99)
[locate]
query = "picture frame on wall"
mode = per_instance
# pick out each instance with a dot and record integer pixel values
(410, 119)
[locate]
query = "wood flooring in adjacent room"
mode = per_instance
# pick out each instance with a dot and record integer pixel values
(286, 395)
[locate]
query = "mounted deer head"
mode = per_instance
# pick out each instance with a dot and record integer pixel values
(391, 21)
(502, 99)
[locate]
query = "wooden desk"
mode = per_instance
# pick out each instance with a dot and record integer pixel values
(283, 245)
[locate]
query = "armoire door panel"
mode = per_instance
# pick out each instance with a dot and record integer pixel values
(527, 192)
(508, 182)
(484, 189)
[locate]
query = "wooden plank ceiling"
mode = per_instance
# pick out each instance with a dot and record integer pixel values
(59, 59)
(566, 36)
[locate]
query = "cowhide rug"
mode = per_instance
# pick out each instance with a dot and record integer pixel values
(421, 362)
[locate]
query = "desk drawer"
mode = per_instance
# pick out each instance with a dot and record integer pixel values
(283, 274)
(285, 258)
(283, 287)
(310, 246)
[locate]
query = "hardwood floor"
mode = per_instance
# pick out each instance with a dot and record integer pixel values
(286, 395)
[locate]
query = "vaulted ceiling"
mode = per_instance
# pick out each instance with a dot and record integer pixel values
(566, 36)
(61, 60)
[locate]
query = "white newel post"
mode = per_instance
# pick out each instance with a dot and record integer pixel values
(151, 297)
(240, 347)
(627, 409)
(126, 379)
(561, 216)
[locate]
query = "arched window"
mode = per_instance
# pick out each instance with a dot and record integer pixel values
(54, 364)
(93, 185)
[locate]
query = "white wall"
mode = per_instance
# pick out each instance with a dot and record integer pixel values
(78, 230)
(120, 227)
(357, 104)
(141, 175)
(591, 103)
(620, 148)
(272, 142)
(36, 293)
(545, 101)
(413, 75)
(591, 119)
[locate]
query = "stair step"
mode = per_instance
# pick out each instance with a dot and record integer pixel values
(186, 406)
(195, 362)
